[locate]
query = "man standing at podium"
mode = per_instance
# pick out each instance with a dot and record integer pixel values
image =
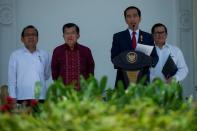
(128, 40)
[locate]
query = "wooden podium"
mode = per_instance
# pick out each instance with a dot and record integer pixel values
(132, 63)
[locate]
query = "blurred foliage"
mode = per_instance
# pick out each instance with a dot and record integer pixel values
(97, 107)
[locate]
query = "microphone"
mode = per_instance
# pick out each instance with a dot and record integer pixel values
(133, 27)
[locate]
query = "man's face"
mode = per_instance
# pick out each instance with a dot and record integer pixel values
(132, 19)
(159, 36)
(70, 36)
(30, 38)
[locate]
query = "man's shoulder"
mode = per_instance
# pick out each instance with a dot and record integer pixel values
(59, 47)
(43, 52)
(18, 51)
(83, 47)
(121, 32)
(174, 48)
(144, 33)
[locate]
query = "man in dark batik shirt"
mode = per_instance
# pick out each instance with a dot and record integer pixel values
(70, 60)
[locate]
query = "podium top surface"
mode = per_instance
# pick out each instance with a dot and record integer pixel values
(132, 60)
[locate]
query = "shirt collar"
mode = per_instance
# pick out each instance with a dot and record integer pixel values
(26, 50)
(137, 31)
(76, 46)
(166, 45)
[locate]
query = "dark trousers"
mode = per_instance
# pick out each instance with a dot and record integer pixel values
(28, 102)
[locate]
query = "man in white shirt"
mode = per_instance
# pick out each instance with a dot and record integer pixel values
(28, 66)
(159, 32)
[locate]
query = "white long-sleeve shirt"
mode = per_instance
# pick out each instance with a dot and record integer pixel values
(177, 57)
(24, 70)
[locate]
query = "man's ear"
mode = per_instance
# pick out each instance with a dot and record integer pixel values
(78, 36)
(125, 21)
(140, 19)
(22, 39)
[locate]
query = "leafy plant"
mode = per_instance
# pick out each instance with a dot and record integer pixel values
(157, 106)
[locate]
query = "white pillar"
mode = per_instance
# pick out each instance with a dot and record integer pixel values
(7, 36)
(185, 32)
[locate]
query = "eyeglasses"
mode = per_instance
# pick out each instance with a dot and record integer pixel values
(70, 33)
(30, 34)
(159, 33)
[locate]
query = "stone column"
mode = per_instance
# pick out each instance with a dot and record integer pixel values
(185, 32)
(7, 36)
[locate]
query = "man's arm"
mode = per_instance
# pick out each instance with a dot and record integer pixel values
(146, 38)
(55, 67)
(12, 76)
(115, 50)
(90, 63)
(47, 70)
(155, 57)
(181, 65)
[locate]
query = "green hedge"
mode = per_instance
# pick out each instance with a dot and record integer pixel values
(157, 106)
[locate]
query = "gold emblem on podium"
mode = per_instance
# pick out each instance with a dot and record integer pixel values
(131, 57)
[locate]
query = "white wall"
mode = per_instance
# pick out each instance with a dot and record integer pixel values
(7, 35)
(195, 41)
(98, 21)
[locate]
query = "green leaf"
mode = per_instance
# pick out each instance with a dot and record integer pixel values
(37, 90)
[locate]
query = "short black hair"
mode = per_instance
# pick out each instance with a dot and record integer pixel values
(132, 7)
(68, 25)
(159, 25)
(27, 27)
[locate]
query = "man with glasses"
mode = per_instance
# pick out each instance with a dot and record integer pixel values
(166, 51)
(27, 66)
